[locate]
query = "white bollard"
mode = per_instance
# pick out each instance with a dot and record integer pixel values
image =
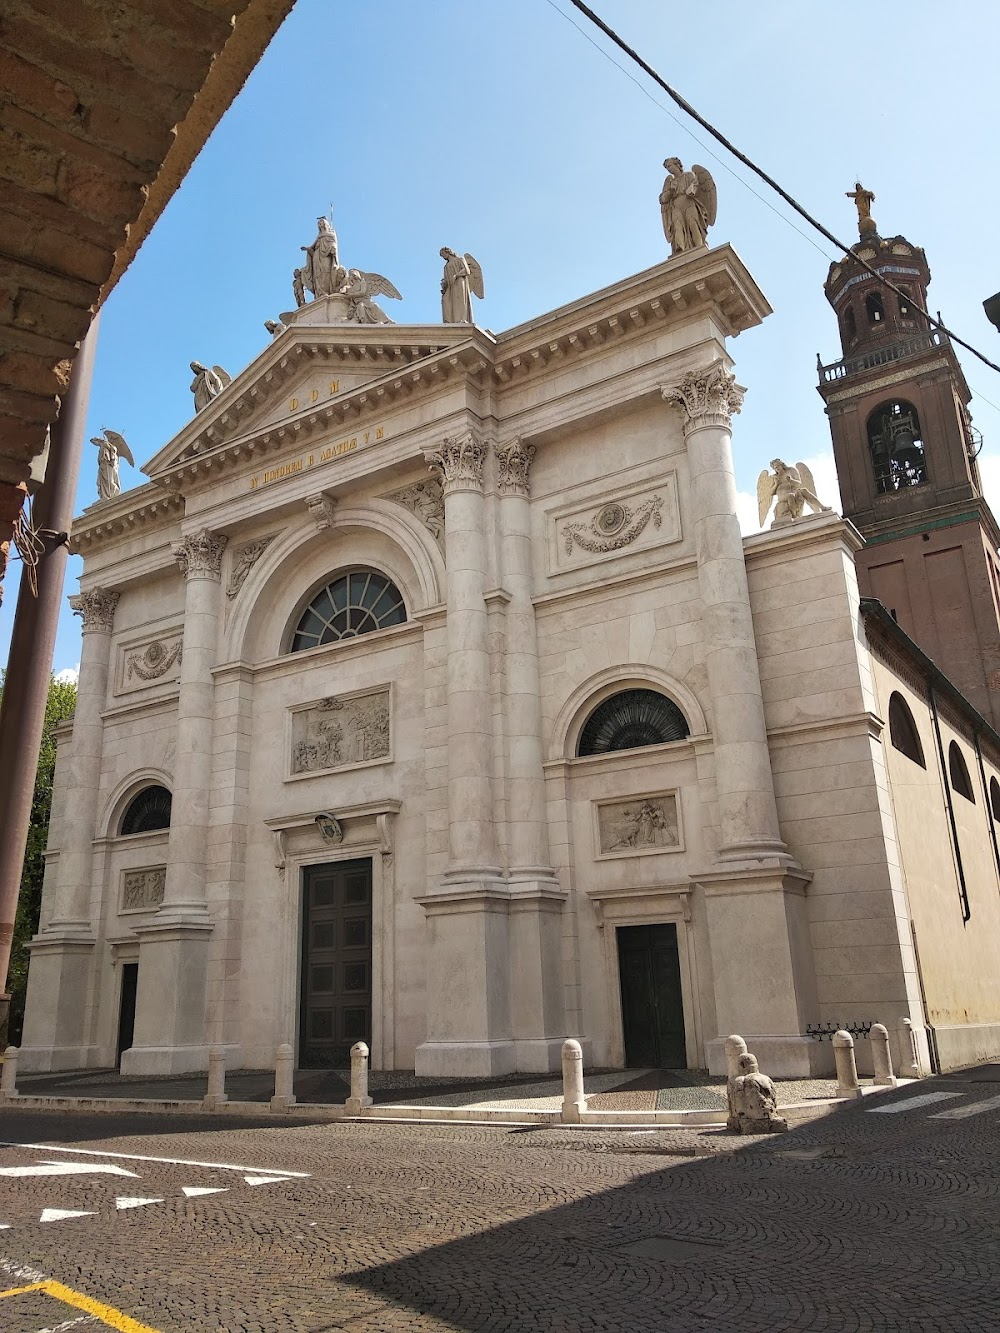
(735, 1047)
(847, 1068)
(359, 1098)
(8, 1079)
(284, 1073)
(216, 1094)
(574, 1100)
(881, 1059)
(908, 1039)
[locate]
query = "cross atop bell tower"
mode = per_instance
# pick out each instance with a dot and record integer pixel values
(905, 450)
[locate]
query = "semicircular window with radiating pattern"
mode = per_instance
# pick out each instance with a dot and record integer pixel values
(632, 719)
(359, 602)
(147, 812)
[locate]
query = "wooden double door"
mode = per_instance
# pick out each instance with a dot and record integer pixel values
(336, 988)
(652, 1007)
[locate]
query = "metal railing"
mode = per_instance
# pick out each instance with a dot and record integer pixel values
(880, 356)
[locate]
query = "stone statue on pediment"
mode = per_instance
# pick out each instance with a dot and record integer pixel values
(790, 489)
(688, 205)
(208, 383)
(361, 288)
(322, 273)
(111, 446)
(461, 281)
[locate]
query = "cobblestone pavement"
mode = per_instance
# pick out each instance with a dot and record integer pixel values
(866, 1219)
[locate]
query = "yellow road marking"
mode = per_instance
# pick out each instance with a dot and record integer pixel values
(108, 1316)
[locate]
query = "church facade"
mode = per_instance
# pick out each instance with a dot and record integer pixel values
(431, 696)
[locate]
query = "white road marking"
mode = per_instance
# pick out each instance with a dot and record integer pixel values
(58, 1214)
(138, 1157)
(121, 1203)
(5, 1226)
(67, 1169)
(70, 1323)
(912, 1103)
(961, 1112)
(196, 1191)
(264, 1180)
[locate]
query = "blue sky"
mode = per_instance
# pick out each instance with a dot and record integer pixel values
(497, 127)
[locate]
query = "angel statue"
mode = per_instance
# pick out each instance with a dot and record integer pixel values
(111, 446)
(687, 205)
(462, 280)
(792, 488)
(207, 384)
(274, 327)
(361, 287)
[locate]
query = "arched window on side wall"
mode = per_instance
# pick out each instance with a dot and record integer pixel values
(896, 447)
(903, 730)
(352, 604)
(630, 720)
(995, 798)
(850, 325)
(147, 812)
(958, 771)
(875, 309)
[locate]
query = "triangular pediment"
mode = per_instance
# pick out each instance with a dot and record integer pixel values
(304, 369)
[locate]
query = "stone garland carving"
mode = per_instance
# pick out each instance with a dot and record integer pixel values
(425, 499)
(321, 510)
(244, 559)
(513, 463)
(336, 732)
(97, 608)
(143, 889)
(459, 461)
(638, 825)
(201, 554)
(709, 396)
(155, 661)
(614, 526)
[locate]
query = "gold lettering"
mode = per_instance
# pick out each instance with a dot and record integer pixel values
(311, 460)
(335, 386)
(366, 437)
(379, 432)
(292, 406)
(314, 395)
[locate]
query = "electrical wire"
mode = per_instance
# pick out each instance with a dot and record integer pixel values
(706, 125)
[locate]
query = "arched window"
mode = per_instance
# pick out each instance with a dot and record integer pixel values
(958, 771)
(875, 308)
(995, 798)
(632, 719)
(352, 604)
(906, 310)
(903, 730)
(896, 446)
(850, 325)
(148, 811)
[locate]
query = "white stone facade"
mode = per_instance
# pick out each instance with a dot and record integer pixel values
(556, 506)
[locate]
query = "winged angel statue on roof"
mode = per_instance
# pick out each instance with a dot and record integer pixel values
(111, 446)
(461, 281)
(792, 488)
(688, 206)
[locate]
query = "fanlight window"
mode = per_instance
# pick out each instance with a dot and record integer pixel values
(896, 446)
(630, 720)
(995, 798)
(958, 771)
(356, 603)
(903, 730)
(148, 811)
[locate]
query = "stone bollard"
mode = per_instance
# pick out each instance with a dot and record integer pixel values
(735, 1047)
(216, 1094)
(284, 1073)
(359, 1098)
(847, 1069)
(574, 1100)
(8, 1079)
(881, 1059)
(908, 1040)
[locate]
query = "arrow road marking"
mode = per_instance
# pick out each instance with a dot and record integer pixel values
(961, 1112)
(67, 1169)
(196, 1191)
(138, 1157)
(58, 1214)
(264, 1180)
(121, 1203)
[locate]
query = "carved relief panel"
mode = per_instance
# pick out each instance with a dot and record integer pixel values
(638, 826)
(625, 523)
(340, 731)
(157, 661)
(142, 890)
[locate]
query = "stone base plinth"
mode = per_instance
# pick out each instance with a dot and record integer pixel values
(152, 1060)
(56, 1015)
(791, 1056)
(464, 1059)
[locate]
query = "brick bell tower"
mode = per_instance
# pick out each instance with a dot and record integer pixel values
(905, 450)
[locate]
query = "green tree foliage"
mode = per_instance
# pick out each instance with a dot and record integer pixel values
(60, 705)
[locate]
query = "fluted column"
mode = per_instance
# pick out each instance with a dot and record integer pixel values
(471, 832)
(748, 815)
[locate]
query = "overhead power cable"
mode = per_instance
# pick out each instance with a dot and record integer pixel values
(793, 203)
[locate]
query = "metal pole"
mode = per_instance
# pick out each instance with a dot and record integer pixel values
(26, 686)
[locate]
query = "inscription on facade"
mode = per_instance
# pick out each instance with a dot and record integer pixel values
(641, 824)
(142, 890)
(318, 456)
(341, 731)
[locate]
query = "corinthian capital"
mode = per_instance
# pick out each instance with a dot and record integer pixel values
(513, 462)
(458, 462)
(707, 397)
(97, 609)
(201, 555)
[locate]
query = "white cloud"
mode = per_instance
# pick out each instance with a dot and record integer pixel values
(69, 675)
(824, 472)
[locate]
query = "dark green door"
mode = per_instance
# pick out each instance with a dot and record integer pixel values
(336, 998)
(652, 1011)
